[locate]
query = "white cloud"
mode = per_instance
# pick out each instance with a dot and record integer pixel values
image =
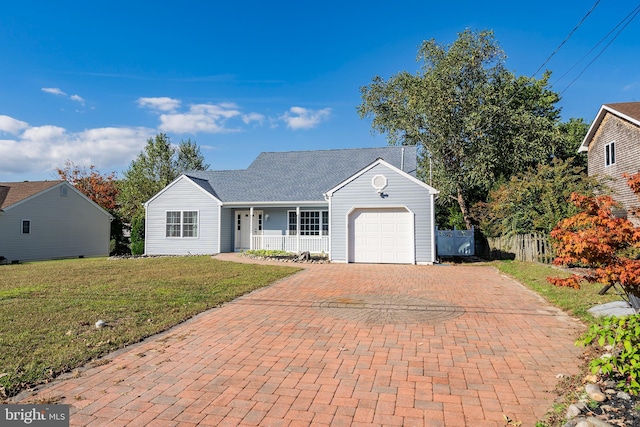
(160, 103)
(54, 91)
(77, 98)
(11, 125)
(209, 118)
(253, 117)
(40, 149)
(58, 92)
(304, 118)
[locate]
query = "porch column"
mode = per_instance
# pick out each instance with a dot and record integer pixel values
(298, 229)
(251, 228)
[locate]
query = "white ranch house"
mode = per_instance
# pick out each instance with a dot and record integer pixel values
(354, 205)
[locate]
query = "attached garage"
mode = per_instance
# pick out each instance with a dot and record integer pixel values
(382, 215)
(381, 235)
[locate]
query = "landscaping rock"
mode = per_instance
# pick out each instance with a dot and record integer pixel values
(594, 392)
(574, 410)
(304, 256)
(622, 395)
(593, 422)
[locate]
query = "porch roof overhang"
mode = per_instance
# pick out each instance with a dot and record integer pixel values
(278, 204)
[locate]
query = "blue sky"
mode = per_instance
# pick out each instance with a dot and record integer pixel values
(90, 82)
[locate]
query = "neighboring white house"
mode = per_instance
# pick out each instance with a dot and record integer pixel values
(50, 220)
(355, 205)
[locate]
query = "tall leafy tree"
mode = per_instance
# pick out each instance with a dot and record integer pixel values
(570, 137)
(534, 200)
(100, 188)
(475, 122)
(103, 189)
(189, 157)
(154, 168)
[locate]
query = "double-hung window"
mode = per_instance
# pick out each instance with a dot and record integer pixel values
(182, 224)
(26, 226)
(312, 223)
(610, 154)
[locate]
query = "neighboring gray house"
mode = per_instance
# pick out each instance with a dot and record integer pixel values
(613, 149)
(50, 220)
(355, 205)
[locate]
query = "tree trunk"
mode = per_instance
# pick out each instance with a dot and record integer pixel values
(464, 209)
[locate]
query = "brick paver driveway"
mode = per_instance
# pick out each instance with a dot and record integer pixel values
(343, 345)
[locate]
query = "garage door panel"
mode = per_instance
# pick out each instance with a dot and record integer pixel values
(381, 236)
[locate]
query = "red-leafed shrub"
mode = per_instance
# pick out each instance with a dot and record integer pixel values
(597, 239)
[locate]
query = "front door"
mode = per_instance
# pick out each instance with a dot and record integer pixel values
(243, 228)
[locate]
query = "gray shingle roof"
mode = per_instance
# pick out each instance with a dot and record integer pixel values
(298, 175)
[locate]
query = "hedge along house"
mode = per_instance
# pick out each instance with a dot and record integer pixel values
(354, 205)
(50, 220)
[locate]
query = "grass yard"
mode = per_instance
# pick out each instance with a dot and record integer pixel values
(576, 302)
(49, 309)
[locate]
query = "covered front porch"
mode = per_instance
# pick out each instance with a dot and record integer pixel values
(282, 228)
(297, 244)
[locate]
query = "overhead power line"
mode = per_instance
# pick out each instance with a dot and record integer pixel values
(597, 44)
(567, 38)
(628, 20)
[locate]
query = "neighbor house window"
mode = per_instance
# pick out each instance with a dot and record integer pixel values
(610, 154)
(182, 224)
(312, 223)
(26, 226)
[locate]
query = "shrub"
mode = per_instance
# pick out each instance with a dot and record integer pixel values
(137, 236)
(622, 363)
(268, 253)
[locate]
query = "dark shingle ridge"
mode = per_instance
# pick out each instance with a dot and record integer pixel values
(298, 175)
(631, 109)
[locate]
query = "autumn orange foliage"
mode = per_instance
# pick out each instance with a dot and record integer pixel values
(595, 238)
(102, 189)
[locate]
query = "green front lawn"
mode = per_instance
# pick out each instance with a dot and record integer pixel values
(573, 301)
(48, 310)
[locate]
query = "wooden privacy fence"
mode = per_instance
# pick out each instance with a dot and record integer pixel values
(523, 247)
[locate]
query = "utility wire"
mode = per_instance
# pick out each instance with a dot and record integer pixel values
(567, 38)
(596, 45)
(635, 13)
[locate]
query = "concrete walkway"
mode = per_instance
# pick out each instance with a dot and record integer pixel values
(387, 345)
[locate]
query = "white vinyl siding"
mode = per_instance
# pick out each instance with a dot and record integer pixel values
(400, 193)
(195, 233)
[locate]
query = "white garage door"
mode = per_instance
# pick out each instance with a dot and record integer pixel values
(381, 236)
